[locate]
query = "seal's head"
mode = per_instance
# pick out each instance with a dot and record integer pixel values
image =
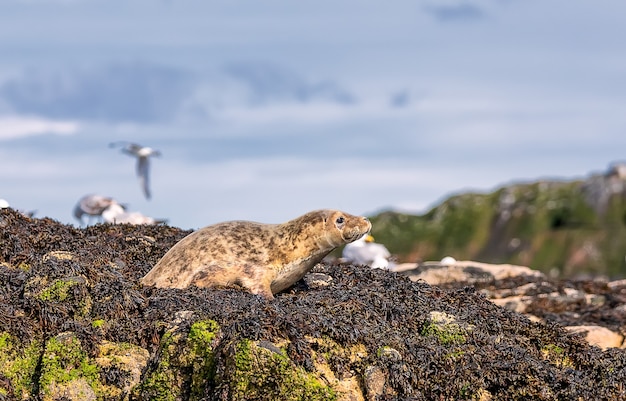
(343, 228)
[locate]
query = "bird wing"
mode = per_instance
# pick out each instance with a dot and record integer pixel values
(94, 204)
(132, 148)
(143, 172)
(129, 148)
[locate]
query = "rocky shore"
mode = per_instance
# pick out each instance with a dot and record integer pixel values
(75, 324)
(594, 307)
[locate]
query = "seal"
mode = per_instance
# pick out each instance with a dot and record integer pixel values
(265, 259)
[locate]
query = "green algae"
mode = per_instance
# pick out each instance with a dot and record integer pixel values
(185, 364)
(23, 266)
(201, 357)
(65, 364)
(98, 323)
(446, 335)
(18, 363)
(68, 290)
(262, 374)
(443, 327)
(557, 356)
(162, 383)
(57, 291)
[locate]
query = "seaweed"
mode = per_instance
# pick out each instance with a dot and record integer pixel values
(77, 292)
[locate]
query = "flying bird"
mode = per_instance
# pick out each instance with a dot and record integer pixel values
(92, 205)
(143, 154)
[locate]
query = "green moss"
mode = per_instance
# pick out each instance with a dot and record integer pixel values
(57, 291)
(456, 353)
(185, 364)
(97, 323)
(61, 290)
(162, 383)
(261, 374)
(23, 266)
(443, 326)
(18, 363)
(65, 362)
(557, 356)
(201, 355)
(445, 335)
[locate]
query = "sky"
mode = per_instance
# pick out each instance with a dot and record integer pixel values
(266, 110)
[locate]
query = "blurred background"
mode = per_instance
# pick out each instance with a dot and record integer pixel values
(266, 110)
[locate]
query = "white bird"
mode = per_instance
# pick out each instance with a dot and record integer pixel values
(92, 205)
(448, 261)
(117, 214)
(365, 251)
(4, 204)
(143, 154)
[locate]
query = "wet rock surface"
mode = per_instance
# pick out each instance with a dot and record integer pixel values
(595, 307)
(76, 324)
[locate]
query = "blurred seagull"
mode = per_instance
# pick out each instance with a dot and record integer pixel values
(142, 153)
(92, 205)
(365, 251)
(117, 214)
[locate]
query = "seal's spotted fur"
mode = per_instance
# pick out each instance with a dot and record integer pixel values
(263, 258)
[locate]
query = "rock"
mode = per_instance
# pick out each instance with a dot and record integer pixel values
(127, 361)
(317, 280)
(436, 273)
(371, 334)
(517, 303)
(374, 382)
(617, 284)
(600, 336)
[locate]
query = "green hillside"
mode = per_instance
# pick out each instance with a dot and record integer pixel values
(576, 227)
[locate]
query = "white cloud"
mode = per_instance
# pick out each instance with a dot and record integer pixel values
(115, 92)
(12, 127)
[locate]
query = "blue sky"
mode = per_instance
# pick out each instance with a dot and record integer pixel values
(266, 110)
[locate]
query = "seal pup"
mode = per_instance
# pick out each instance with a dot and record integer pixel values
(142, 153)
(263, 258)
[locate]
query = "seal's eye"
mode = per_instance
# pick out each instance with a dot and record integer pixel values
(340, 220)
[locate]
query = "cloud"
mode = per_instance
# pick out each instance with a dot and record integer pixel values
(400, 99)
(455, 12)
(268, 82)
(15, 127)
(131, 92)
